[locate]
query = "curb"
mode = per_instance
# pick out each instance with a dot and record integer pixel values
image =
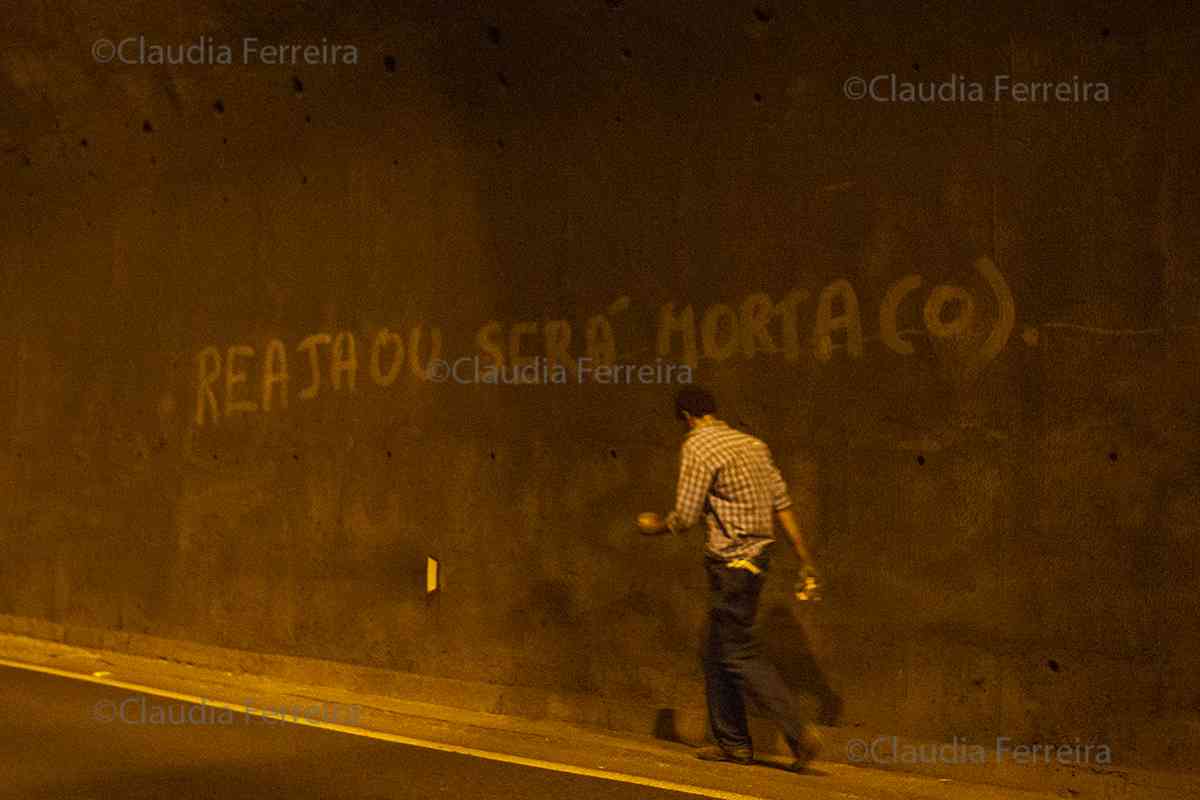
(686, 725)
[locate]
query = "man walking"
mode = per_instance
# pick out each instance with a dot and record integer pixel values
(729, 477)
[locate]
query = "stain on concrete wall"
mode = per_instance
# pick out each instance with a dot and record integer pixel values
(967, 329)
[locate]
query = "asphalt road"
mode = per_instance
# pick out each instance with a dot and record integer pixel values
(62, 738)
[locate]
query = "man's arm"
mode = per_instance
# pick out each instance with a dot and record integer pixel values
(781, 504)
(788, 520)
(690, 493)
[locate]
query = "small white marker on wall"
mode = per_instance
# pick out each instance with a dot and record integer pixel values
(431, 575)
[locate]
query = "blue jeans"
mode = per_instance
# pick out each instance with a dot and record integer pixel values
(734, 663)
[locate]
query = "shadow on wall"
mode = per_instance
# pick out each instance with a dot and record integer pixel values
(786, 645)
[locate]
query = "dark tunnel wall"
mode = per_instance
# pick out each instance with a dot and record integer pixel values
(968, 330)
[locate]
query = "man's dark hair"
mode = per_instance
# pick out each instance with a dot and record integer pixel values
(696, 401)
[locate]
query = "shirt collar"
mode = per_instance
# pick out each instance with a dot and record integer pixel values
(715, 424)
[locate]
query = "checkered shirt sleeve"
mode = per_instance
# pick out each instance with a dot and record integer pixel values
(780, 499)
(695, 478)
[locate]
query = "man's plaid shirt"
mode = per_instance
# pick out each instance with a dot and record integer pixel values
(728, 476)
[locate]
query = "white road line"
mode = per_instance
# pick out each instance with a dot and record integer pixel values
(388, 737)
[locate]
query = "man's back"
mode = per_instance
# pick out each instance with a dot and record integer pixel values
(729, 475)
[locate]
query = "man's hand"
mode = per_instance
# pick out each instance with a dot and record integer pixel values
(808, 585)
(651, 523)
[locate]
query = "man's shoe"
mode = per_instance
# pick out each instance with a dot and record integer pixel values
(742, 755)
(805, 749)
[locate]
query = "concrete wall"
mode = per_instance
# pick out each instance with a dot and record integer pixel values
(967, 329)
